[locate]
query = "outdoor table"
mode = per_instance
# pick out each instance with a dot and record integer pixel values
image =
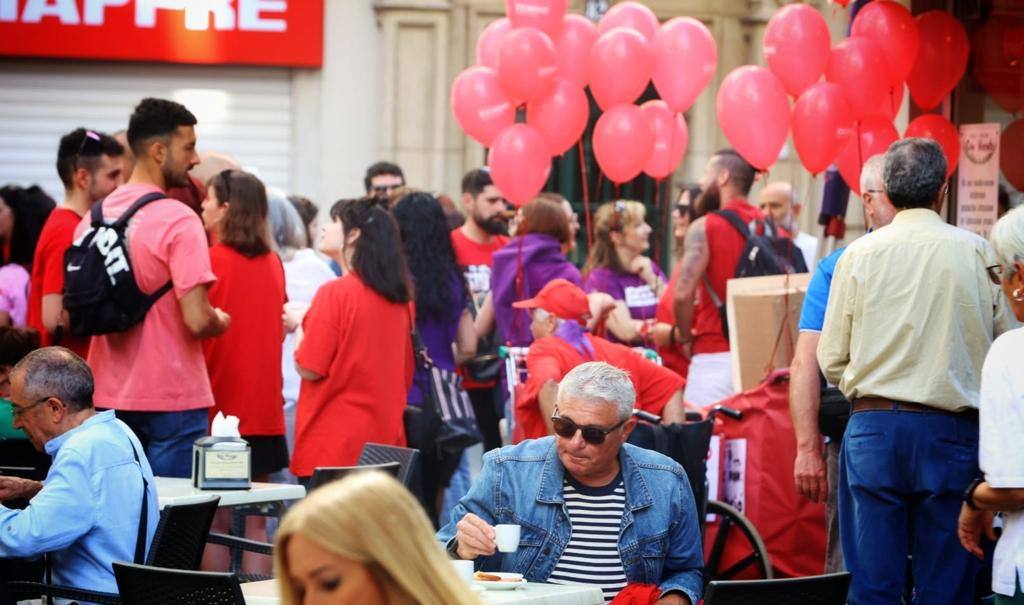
(265, 593)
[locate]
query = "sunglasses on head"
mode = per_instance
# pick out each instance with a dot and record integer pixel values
(90, 144)
(593, 435)
(617, 211)
(995, 273)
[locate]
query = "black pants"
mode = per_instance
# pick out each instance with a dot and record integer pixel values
(485, 406)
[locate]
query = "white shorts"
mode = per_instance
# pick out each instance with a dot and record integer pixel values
(710, 379)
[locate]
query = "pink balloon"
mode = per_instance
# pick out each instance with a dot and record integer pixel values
(670, 139)
(940, 130)
(520, 163)
(893, 28)
(753, 111)
(685, 58)
(821, 125)
(489, 43)
(623, 142)
(527, 64)
(573, 46)
(941, 58)
(480, 106)
(858, 66)
(796, 45)
(631, 15)
(561, 116)
(876, 134)
(545, 15)
(619, 67)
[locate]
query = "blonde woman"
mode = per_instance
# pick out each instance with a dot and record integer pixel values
(364, 539)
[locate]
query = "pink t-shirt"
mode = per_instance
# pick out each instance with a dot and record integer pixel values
(156, 366)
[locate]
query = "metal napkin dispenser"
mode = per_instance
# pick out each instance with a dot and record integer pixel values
(221, 463)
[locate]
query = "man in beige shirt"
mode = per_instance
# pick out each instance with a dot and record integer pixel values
(911, 314)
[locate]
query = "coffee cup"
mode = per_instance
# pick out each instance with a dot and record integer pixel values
(464, 569)
(506, 536)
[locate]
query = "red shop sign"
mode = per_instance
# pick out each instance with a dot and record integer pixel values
(249, 32)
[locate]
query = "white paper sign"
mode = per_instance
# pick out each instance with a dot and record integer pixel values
(977, 200)
(735, 460)
(714, 466)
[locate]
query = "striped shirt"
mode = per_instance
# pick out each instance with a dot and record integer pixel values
(592, 555)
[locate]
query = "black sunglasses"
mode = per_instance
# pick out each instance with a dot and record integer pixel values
(386, 188)
(591, 434)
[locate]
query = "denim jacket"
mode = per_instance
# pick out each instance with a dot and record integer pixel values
(660, 541)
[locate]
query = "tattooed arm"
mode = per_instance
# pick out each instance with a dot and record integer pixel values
(695, 262)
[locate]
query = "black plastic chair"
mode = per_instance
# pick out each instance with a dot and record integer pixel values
(145, 585)
(407, 458)
(829, 589)
(323, 475)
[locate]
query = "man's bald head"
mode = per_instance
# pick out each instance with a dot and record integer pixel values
(780, 204)
(212, 163)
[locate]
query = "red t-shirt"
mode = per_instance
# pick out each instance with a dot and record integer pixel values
(48, 275)
(359, 342)
(725, 245)
(551, 358)
(475, 261)
(672, 356)
(244, 363)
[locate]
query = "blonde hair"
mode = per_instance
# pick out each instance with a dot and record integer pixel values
(611, 217)
(1008, 239)
(371, 518)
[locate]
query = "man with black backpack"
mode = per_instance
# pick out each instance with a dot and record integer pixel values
(136, 280)
(734, 241)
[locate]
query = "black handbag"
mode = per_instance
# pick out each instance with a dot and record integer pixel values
(833, 414)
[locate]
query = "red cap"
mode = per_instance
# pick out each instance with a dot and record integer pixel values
(559, 297)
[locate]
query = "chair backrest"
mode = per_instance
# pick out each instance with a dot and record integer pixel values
(181, 535)
(685, 443)
(323, 475)
(146, 585)
(829, 589)
(407, 458)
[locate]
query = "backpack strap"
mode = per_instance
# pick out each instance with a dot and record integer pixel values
(735, 221)
(140, 539)
(135, 207)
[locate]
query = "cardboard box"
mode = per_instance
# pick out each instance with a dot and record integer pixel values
(761, 312)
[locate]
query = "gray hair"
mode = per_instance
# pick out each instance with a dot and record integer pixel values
(1008, 238)
(286, 225)
(597, 381)
(915, 170)
(57, 372)
(543, 315)
(871, 173)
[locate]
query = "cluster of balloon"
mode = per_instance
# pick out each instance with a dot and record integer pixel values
(1011, 148)
(541, 58)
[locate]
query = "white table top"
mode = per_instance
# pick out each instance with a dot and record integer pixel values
(265, 593)
(180, 491)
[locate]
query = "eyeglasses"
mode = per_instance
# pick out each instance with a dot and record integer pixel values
(995, 273)
(593, 435)
(17, 411)
(385, 189)
(874, 191)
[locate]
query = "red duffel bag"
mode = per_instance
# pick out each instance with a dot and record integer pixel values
(756, 476)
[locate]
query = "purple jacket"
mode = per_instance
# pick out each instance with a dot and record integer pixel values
(542, 260)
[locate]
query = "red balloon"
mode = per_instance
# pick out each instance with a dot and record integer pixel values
(619, 67)
(858, 66)
(561, 116)
(489, 43)
(821, 125)
(995, 65)
(890, 103)
(876, 134)
(753, 111)
(670, 138)
(893, 28)
(685, 58)
(1011, 143)
(527, 64)
(573, 46)
(842, 3)
(480, 106)
(941, 58)
(940, 130)
(623, 142)
(796, 45)
(631, 15)
(545, 15)
(519, 163)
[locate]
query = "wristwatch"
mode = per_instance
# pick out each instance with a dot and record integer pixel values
(969, 493)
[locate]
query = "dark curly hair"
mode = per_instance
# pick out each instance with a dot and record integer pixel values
(428, 250)
(31, 207)
(378, 258)
(154, 118)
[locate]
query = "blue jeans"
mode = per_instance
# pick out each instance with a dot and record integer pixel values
(901, 478)
(168, 437)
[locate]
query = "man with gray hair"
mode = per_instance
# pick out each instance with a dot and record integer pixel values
(98, 503)
(592, 508)
(910, 317)
(779, 202)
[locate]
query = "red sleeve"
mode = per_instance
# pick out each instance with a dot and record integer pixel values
(57, 242)
(323, 332)
(187, 254)
(543, 363)
(655, 384)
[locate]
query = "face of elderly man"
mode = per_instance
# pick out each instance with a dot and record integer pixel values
(587, 462)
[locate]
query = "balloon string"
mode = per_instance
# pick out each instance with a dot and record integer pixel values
(618, 189)
(600, 185)
(892, 101)
(586, 194)
(659, 234)
(860, 152)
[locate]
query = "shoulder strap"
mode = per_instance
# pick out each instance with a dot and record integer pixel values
(735, 221)
(140, 539)
(714, 295)
(135, 207)
(96, 214)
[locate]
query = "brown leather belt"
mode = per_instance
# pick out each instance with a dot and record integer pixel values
(863, 404)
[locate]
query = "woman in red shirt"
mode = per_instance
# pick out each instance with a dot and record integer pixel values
(244, 363)
(355, 354)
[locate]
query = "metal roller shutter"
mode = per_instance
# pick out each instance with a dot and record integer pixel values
(244, 112)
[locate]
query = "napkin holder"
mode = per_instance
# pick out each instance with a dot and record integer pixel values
(221, 463)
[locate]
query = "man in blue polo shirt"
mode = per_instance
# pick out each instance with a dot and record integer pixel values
(816, 475)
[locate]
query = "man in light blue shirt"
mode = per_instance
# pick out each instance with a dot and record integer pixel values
(86, 513)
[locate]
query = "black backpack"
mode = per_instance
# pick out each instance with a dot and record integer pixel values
(768, 254)
(100, 292)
